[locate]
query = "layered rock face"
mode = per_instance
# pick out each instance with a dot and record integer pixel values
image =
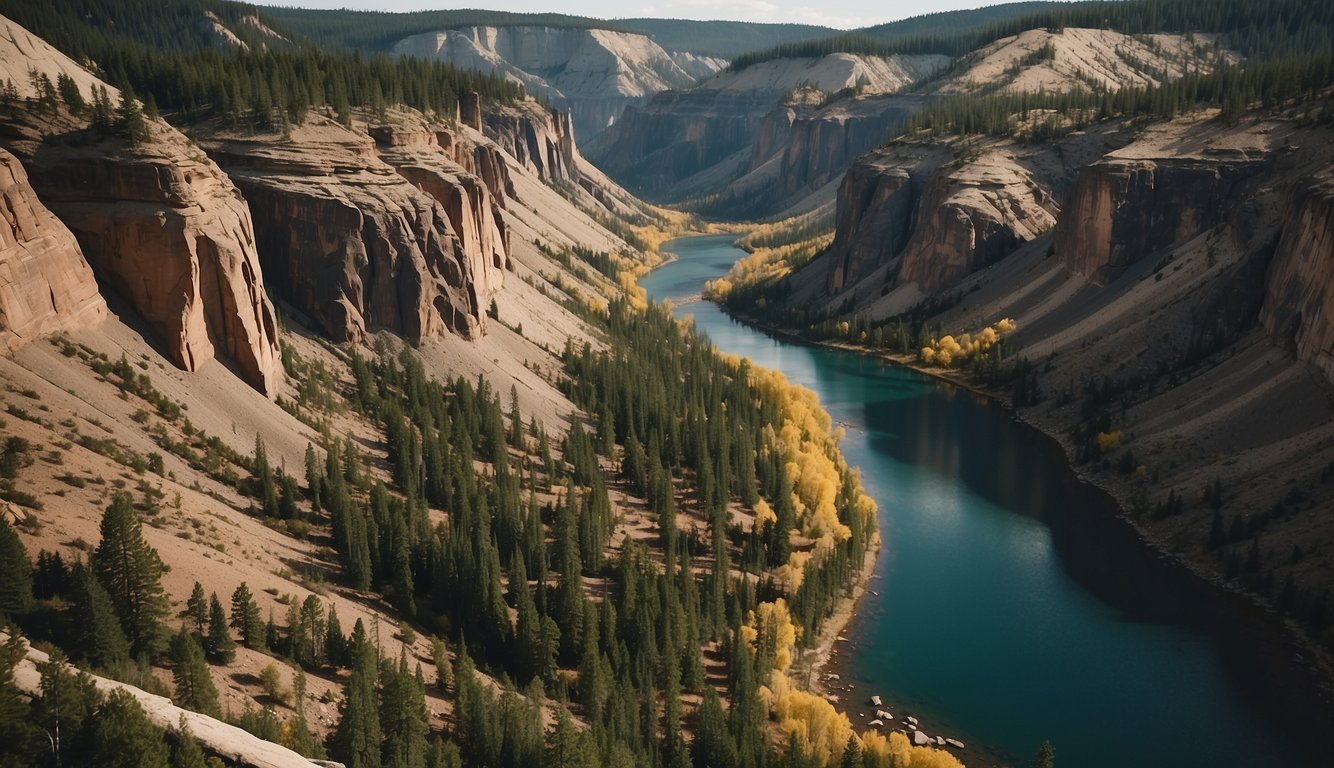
(970, 217)
(1299, 298)
(1126, 208)
(538, 138)
(45, 283)
(356, 246)
(593, 73)
(762, 135)
(167, 230)
(806, 143)
(940, 222)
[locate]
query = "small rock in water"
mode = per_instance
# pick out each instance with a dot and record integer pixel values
(877, 722)
(875, 701)
(883, 714)
(912, 720)
(920, 739)
(940, 741)
(954, 743)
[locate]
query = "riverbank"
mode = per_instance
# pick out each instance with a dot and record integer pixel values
(1279, 656)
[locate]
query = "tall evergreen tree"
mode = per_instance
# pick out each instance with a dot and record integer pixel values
(124, 736)
(98, 638)
(246, 617)
(131, 572)
(15, 573)
(196, 608)
(189, 672)
(356, 740)
(218, 642)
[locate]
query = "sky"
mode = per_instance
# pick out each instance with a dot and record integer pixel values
(842, 14)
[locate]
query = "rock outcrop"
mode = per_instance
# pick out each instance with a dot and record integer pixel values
(592, 73)
(45, 283)
(163, 227)
(1299, 301)
(353, 244)
(970, 217)
(934, 223)
(538, 138)
(159, 223)
(1126, 207)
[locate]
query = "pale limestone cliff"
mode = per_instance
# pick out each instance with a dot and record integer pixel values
(592, 73)
(45, 283)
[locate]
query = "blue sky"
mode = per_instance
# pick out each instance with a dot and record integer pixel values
(845, 14)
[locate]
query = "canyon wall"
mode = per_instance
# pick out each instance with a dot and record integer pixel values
(45, 283)
(1299, 297)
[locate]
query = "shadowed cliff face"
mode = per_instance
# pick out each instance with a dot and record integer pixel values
(165, 229)
(538, 138)
(45, 283)
(1125, 209)
(1299, 300)
(764, 138)
(355, 245)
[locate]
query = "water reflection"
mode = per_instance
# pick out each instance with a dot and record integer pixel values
(1013, 605)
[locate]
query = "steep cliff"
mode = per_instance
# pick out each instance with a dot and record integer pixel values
(592, 73)
(538, 138)
(763, 135)
(160, 224)
(165, 229)
(1126, 207)
(806, 144)
(356, 246)
(45, 283)
(1299, 298)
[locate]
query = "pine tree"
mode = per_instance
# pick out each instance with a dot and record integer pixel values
(185, 750)
(196, 608)
(124, 736)
(218, 643)
(356, 740)
(98, 639)
(713, 746)
(15, 573)
(313, 478)
(194, 684)
(21, 736)
(335, 642)
(131, 572)
(246, 618)
(130, 120)
(403, 719)
(302, 741)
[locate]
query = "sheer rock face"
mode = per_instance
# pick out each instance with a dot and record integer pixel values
(940, 222)
(538, 138)
(592, 73)
(45, 283)
(1299, 300)
(1126, 208)
(356, 246)
(474, 205)
(163, 227)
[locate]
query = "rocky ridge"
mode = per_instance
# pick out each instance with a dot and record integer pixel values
(592, 73)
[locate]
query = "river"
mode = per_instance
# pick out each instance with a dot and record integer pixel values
(1008, 605)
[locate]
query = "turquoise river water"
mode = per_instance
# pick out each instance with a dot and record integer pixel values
(1009, 605)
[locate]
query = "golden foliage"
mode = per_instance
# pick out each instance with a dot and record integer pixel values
(948, 351)
(821, 730)
(1108, 441)
(895, 751)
